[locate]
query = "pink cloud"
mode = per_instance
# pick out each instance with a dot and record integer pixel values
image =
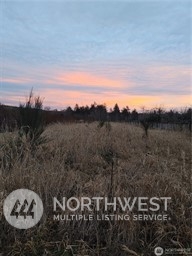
(142, 81)
(17, 80)
(70, 98)
(86, 78)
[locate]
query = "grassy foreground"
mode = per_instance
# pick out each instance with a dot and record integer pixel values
(85, 160)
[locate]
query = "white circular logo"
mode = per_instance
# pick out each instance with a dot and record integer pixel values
(158, 251)
(23, 208)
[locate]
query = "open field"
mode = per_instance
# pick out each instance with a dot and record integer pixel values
(86, 160)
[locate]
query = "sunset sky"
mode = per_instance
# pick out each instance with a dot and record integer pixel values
(135, 53)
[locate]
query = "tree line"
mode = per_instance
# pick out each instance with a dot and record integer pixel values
(10, 117)
(100, 113)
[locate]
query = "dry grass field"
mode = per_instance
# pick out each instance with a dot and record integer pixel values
(86, 160)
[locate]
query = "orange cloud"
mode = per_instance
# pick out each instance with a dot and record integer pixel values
(86, 79)
(142, 80)
(70, 98)
(57, 98)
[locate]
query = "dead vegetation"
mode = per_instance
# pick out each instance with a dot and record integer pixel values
(89, 160)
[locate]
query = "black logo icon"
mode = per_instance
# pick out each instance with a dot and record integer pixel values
(23, 210)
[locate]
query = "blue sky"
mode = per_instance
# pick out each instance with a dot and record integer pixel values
(135, 53)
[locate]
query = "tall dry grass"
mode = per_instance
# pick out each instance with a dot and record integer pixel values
(87, 160)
